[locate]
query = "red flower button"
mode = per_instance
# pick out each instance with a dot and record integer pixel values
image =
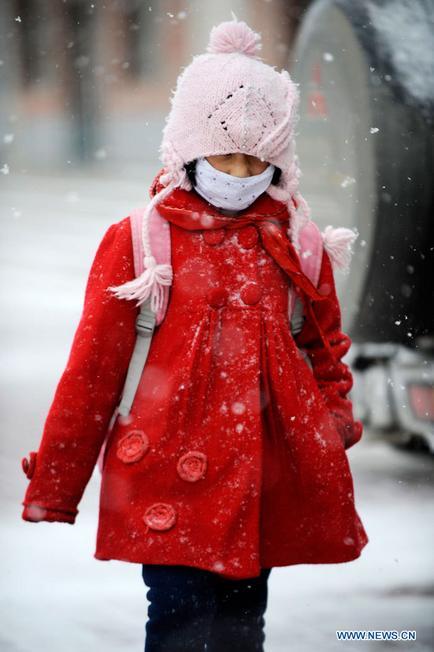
(160, 516)
(214, 236)
(132, 446)
(251, 294)
(29, 465)
(192, 466)
(217, 297)
(247, 237)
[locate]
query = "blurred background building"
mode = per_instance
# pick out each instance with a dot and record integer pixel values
(89, 82)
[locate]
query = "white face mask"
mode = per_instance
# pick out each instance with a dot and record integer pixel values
(226, 191)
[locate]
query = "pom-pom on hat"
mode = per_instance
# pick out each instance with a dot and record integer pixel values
(248, 107)
(234, 37)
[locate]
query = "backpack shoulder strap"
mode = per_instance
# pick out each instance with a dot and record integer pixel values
(136, 234)
(145, 322)
(312, 245)
(311, 249)
(159, 234)
(145, 325)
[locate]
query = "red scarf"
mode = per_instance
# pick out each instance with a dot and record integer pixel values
(271, 228)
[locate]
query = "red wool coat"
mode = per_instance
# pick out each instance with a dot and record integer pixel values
(234, 455)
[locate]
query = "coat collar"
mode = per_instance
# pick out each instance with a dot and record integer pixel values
(190, 201)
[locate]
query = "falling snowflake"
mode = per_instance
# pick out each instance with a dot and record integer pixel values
(218, 566)
(320, 439)
(348, 181)
(238, 408)
(101, 154)
(72, 197)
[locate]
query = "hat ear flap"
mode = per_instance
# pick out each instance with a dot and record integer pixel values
(176, 174)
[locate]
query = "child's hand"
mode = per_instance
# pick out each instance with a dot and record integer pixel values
(334, 380)
(350, 431)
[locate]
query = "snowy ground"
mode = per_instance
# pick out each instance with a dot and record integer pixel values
(55, 595)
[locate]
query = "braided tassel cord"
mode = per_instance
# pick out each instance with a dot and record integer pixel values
(337, 242)
(149, 283)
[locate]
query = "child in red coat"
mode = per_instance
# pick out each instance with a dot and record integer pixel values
(232, 458)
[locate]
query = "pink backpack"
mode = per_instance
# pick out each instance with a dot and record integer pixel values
(311, 243)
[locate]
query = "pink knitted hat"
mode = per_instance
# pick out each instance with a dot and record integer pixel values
(227, 100)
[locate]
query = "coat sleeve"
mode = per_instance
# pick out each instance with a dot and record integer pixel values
(89, 388)
(334, 380)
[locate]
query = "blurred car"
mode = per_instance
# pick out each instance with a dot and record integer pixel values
(365, 142)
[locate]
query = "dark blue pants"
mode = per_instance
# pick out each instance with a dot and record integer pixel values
(192, 610)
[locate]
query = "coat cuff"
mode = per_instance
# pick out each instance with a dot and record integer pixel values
(35, 513)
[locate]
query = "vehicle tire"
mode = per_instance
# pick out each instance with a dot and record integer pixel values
(365, 143)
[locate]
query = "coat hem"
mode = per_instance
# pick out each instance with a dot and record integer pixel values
(265, 563)
(118, 557)
(341, 559)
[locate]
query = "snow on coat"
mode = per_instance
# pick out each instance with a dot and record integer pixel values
(233, 457)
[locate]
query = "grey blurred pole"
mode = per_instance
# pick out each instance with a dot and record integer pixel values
(80, 23)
